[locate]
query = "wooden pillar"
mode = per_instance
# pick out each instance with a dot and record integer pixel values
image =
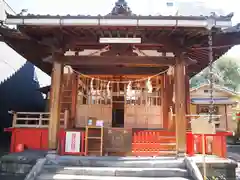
(180, 105)
(54, 121)
(226, 117)
(188, 101)
(74, 95)
(167, 101)
(165, 104)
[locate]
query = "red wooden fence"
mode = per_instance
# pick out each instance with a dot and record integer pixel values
(215, 144)
(153, 143)
(144, 142)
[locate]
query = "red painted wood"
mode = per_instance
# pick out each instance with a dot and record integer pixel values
(37, 138)
(151, 142)
(214, 143)
(20, 148)
(190, 144)
(144, 142)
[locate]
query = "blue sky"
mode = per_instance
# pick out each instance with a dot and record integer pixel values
(95, 7)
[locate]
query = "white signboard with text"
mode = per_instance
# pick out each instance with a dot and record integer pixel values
(72, 142)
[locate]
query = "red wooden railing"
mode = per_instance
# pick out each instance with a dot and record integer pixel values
(144, 142)
(37, 138)
(153, 143)
(159, 142)
(215, 144)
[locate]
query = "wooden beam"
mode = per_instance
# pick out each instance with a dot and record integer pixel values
(180, 105)
(113, 70)
(54, 122)
(117, 60)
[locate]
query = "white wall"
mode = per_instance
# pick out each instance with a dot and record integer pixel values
(2, 11)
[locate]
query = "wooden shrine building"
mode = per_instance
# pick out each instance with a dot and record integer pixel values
(132, 72)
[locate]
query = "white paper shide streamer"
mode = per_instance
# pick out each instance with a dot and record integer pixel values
(108, 89)
(91, 87)
(149, 85)
(129, 89)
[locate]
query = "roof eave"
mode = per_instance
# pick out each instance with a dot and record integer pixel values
(134, 21)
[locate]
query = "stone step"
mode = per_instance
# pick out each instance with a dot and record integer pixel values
(110, 171)
(80, 177)
(128, 164)
(121, 162)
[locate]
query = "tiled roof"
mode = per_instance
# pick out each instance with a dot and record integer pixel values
(11, 62)
(201, 55)
(233, 29)
(79, 16)
(181, 10)
(215, 86)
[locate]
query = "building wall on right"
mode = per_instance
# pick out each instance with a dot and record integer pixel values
(225, 122)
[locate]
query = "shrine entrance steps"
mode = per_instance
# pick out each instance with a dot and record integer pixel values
(109, 168)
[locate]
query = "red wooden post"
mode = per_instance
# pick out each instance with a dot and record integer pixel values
(190, 144)
(62, 141)
(82, 143)
(224, 147)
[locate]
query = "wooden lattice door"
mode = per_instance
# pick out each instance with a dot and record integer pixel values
(93, 100)
(143, 109)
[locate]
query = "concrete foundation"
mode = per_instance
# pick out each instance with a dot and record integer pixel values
(217, 167)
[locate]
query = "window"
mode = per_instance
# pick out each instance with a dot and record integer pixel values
(217, 125)
(205, 91)
(204, 109)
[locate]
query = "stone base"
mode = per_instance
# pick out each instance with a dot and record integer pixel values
(113, 168)
(217, 167)
(19, 164)
(181, 154)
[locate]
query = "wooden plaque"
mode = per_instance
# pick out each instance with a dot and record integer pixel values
(117, 140)
(202, 125)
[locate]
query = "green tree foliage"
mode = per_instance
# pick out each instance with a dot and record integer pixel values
(226, 72)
